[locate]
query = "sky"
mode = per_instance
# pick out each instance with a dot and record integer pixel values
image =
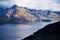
(33, 4)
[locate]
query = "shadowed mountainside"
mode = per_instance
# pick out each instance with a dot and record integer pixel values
(49, 32)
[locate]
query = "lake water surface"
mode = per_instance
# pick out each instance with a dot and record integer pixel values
(19, 31)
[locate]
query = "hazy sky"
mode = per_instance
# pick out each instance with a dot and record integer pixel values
(35, 4)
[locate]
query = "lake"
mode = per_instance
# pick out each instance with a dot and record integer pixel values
(20, 31)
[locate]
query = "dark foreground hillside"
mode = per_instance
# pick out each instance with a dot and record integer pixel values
(49, 32)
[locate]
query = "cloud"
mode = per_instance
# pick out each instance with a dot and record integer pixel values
(49, 4)
(5, 0)
(36, 4)
(39, 4)
(6, 3)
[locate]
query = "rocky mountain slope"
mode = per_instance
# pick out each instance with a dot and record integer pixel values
(17, 14)
(49, 32)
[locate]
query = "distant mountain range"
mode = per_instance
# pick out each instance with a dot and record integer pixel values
(17, 14)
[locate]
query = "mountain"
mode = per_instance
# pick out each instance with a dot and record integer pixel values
(49, 32)
(17, 14)
(46, 14)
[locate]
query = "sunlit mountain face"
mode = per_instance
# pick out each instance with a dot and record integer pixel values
(16, 14)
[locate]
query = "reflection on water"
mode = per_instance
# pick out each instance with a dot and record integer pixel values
(19, 31)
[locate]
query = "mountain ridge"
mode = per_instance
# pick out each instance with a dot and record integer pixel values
(23, 14)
